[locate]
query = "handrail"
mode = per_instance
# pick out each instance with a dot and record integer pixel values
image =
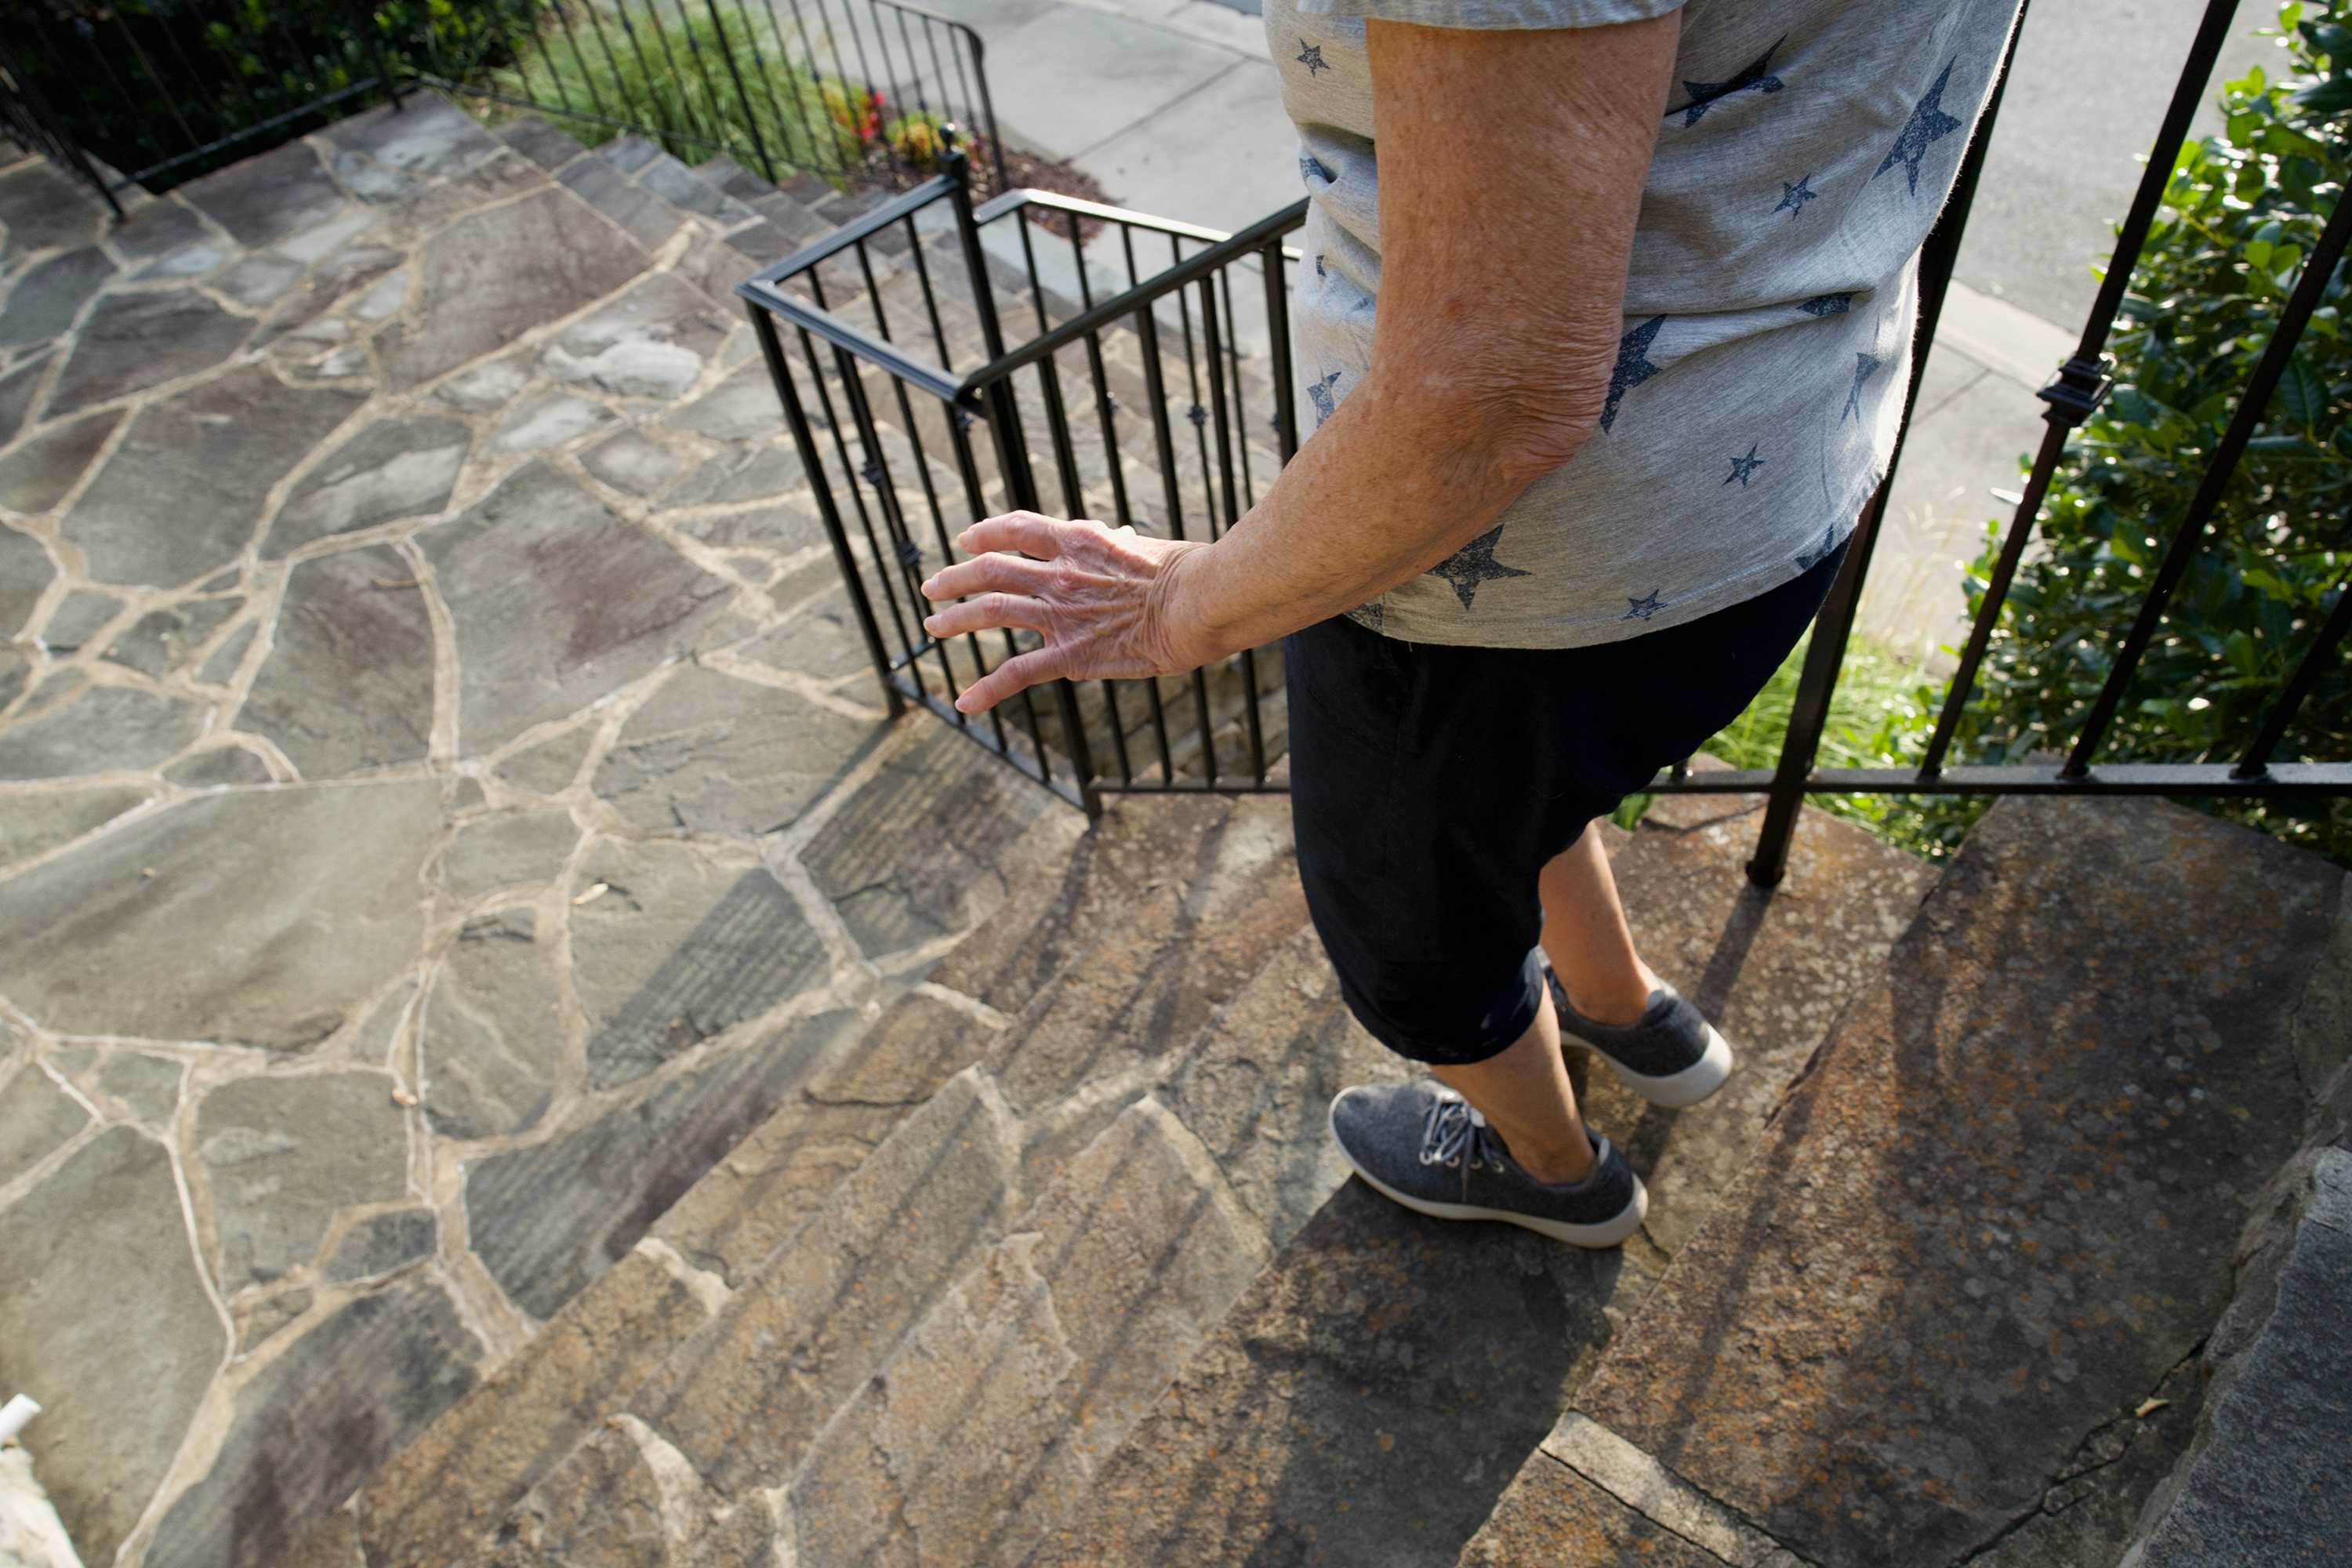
(864, 226)
(1166, 282)
(1032, 196)
(884, 355)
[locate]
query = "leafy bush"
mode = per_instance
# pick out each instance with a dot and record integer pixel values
(2242, 210)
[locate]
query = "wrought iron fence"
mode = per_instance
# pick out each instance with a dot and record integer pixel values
(147, 93)
(1086, 743)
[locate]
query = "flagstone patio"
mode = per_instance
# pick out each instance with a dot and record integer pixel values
(425, 720)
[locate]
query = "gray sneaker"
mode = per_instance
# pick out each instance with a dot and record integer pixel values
(1424, 1146)
(1671, 1056)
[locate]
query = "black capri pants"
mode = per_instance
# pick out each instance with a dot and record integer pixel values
(1430, 785)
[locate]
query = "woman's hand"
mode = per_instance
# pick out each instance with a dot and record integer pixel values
(1103, 598)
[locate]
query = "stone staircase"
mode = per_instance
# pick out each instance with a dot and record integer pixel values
(1051, 1262)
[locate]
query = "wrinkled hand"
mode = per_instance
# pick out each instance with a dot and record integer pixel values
(1100, 596)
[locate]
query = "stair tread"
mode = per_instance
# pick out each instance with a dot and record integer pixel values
(2001, 1206)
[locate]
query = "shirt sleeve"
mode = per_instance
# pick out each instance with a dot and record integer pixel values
(1522, 14)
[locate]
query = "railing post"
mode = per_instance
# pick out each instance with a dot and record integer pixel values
(365, 16)
(750, 116)
(804, 443)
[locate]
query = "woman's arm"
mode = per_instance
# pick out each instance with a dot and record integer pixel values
(1512, 165)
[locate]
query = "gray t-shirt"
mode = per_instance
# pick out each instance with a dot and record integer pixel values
(1767, 314)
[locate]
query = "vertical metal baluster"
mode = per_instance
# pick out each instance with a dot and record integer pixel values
(1147, 328)
(2081, 385)
(1833, 625)
(530, 12)
(220, 118)
(1233, 361)
(858, 500)
(666, 123)
(1277, 319)
(171, 101)
(735, 74)
(930, 295)
(1215, 353)
(2309, 289)
(963, 79)
(1058, 424)
(587, 74)
(1004, 429)
(712, 102)
(841, 77)
(688, 127)
(939, 71)
(832, 160)
(139, 116)
(2316, 658)
(804, 444)
(975, 498)
(865, 76)
(1120, 509)
(904, 553)
(797, 120)
(988, 110)
(890, 76)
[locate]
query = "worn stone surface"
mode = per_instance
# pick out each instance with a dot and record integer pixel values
(550, 1217)
(1771, 970)
(219, 765)
(953, 814)
(490, 277)
(984, 1428)
(2004, 1201)
(743, 1398)
(37, 1117)
(764, 1191)
(550, 767)
(258, 280)
(459, 1478)
(383, 1244)
(104, 729)
(1551, 1514)
(161, 641)
(284, 1156)
(1366, 1400)
(26, 572)
(626, 1500)
(36, 476)
(393, 469)
(681, 948)
(710, 753)
(262, 200)
(633, 463)
(349, 684)
(41, 206)
(556, 601)
(652, 342)
(32, 825)
(46, 300)
(133, 340)
(158, 228)
(373, 1376)
(493, 1036)
(271, 913)
(225, 661)
(16, 390)
(548, 421)
(148, 1086)
(510, 849)
(2270, 1480)
(182, 494)
(80, 618)
(742, 407)
(106, 1227)
(265, 1317)
(427, 135)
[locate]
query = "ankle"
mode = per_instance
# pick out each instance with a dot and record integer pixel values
(1621, 1004)
(1569, 1162)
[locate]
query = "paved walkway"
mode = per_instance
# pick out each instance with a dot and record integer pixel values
(1175, 107)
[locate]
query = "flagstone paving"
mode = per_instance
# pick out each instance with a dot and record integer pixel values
(416, 687)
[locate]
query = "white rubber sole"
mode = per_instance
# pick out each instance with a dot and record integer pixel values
(1676, 1090)
(1607, 1232)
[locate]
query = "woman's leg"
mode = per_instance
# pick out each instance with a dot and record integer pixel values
(1585, 934)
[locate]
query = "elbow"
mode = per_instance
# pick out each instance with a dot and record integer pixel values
(1539, 431)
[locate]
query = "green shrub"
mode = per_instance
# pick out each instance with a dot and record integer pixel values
(2242, 210)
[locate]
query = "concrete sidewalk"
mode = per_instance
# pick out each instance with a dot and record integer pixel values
(1175, 107)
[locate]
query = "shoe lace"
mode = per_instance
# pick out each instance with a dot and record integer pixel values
(1453, 1127)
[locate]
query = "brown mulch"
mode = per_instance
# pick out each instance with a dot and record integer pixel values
(1027, 169)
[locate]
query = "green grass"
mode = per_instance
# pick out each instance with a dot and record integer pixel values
(1880, 716)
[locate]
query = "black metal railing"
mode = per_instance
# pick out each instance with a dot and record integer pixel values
(878, 316)
(143, 93)
(1217, 728)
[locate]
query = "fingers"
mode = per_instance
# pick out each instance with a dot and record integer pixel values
(987, 611)
(1023, 531)
(1031, 669)
(994, 571)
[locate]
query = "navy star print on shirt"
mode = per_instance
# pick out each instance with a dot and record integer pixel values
(1311, 57)
(1633, 366)
(1704, 95)
(1928, 123)
(1743, 468)
(1642, 609)
(1808, 559)
(1827, 305)
(1319, 393)
(1794, 197)
(1865, 367)
(1475, 563)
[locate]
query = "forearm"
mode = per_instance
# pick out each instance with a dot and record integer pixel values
(1397, 480)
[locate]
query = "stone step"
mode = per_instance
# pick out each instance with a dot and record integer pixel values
(1371, 1392)
(1133, 933)
(1952, 1309)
